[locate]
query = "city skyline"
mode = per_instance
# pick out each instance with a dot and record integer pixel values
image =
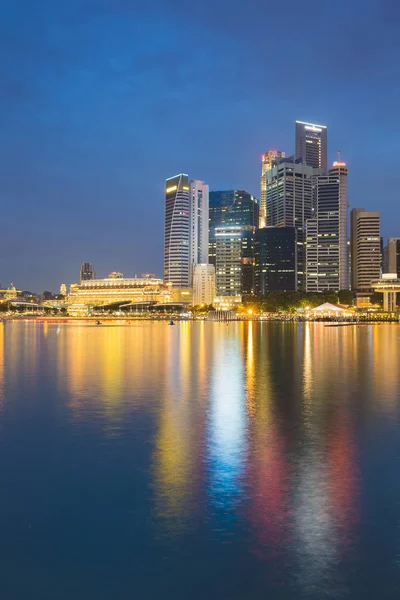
(99, 102)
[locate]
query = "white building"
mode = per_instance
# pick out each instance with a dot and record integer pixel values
(203, 284)
(199, 201)
(177, 232)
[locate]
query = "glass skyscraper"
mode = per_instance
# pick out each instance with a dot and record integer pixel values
(235, 209)
(275, 260)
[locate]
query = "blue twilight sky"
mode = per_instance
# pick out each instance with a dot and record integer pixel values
(101, 100)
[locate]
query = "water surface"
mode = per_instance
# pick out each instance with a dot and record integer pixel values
(205, 460)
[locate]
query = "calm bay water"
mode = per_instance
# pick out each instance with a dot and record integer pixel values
(240, 461)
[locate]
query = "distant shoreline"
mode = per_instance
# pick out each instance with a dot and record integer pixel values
(328, 321)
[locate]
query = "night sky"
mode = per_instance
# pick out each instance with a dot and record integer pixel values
(101, 100)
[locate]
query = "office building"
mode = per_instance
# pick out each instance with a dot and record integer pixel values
(393, 256)
(290, 201)
(275, 260)
(87, 272)
(326, 244)
(267, 160)
(177, 231)
(63, 289)
(235, 209)
(311, 144)
(199, 199)
(230, 208)
(365, 249)
(204, 290)
(228, 260)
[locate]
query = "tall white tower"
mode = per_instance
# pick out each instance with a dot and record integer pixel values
(177, 231)
(199, 201)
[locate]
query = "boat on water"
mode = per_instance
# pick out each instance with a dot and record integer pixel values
(98, 322)
(171, 322)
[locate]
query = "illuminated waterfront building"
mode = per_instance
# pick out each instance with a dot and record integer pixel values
(326, 248)
(87, 272)
(63, 289)
(275, 260)
(177, 231)
(389, 286)
(266, 164)
(11, 292)
(203, 284)
(311, 144)
(365, 249)
(199, 201)
(393, 256)
(100, 292)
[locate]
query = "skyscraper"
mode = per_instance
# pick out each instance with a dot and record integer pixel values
(203, 284)
(235, 209)
(365, 249)
(275, 260)
(266, 164)
(198, 222)
(228, 260)
(327, 266)
(289, 191)
(87, 272)
(177, 231)
(393, 251)
(312, 144)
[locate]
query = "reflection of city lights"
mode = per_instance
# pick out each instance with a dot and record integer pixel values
(228, 419)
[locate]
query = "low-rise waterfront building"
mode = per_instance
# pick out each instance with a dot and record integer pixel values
(101, 292)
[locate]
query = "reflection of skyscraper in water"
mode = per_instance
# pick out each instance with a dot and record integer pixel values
(325, 499)
(176, 460)
(227, 440)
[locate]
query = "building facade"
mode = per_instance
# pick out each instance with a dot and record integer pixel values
(87, 272)
(177, 231)
(326, 247)
(365, 249)
(204, 290)
(199, 201)
(290, 202)
(100, 292)
(267, 160)
(275, 260)
(235, 209)
(312, 144)
(393, 256)
(228, 261)
(230, 208)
